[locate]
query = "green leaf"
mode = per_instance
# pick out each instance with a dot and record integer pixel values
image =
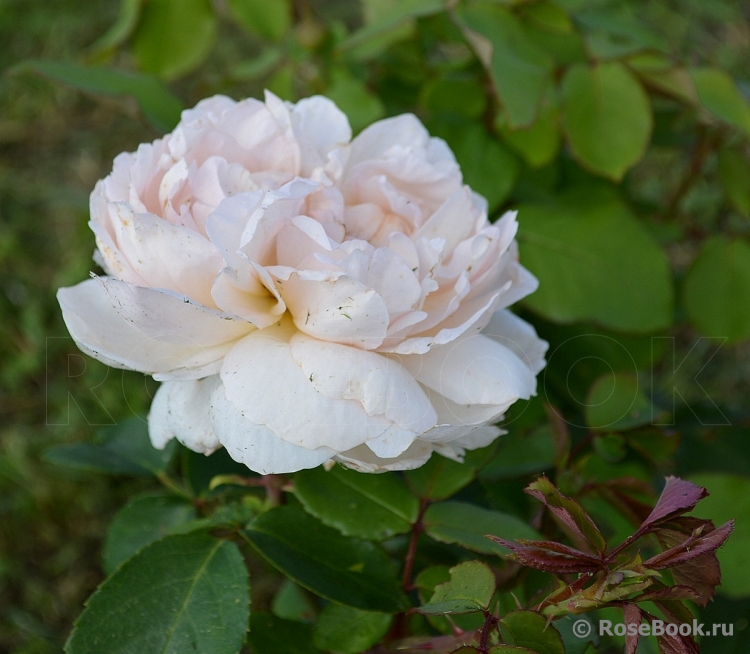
(174, 36)
(254, 69)
(347, 630)
(350, 572)
(574, 643)
(470, 589)
(520, 454)
(487, 165)
(520, 69)
(720, 95)
(270, 20)
(616, 403)
(386, 16)
(729, 499)
(142, 521)
(539, 143)
(129, 439)
(272, 635)
(734, 173)
(510, 649)
(126, 450)
(530, 629)
(595, 262)
(182, 593)
(440, 478)
(83, 456)
(608, 117)
(454, 97)
(293, 603)
(130, 11)
(160, 107)
(717, 289)
(373, 507)
(352, 96)
(468, 525)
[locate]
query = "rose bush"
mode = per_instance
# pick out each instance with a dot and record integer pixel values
(305, 297)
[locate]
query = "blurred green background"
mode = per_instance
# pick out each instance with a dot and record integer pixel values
(619, 128)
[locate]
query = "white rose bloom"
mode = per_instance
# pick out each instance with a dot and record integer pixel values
(305, 299)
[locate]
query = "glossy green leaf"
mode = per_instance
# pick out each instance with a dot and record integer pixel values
(293, 603)
(549, 16)
(595, 262)
(180, 594)
(454, 97)
(539, 143)
(729, 499)
(142, 521)
(384, 16)
(616, 402)
(440, 478)
(272, 635)
(520, 69)
(717, 289)
(521, 454)
(608, 117)
(468, 525)
(174, 36)
(470, 588)
(487, 165)
(574, 642)
(257, 68)
(349, 631)
(720, 95)
(270, 20)
(126, 450)
(160, 107)
(347, 571)
(373, 507)
(353, 97)
(530, 629)
(734, 173)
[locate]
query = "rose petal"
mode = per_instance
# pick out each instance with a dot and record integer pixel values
(519, 336)
(381, 385)
(265, 384)
(257, 446)
(180, 410)
(473, 370)
(362, 458)
(144, 329)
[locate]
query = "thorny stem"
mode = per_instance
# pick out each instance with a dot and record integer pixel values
(703, 148)
(274, 485)
(411, 552)
(484, 635)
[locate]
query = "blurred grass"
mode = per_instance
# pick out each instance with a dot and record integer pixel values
(54, 144)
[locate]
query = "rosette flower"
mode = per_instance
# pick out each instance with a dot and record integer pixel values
(306, 298)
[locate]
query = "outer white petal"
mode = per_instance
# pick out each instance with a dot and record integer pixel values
(180, 410)
(144, 329)
(381, 385)
(474, 370)
(519, 336)
(265, 384)
(257, 446)
(364, 459)
(166, 255)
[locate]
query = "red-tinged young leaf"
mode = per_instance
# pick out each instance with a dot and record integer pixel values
(568, 511)
(676, 592)
(697, 544)
(632, 615)
(703, 573)
(678, 497)
(550, 556)
(674, 644)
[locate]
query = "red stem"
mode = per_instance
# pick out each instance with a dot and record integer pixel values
(411, 552)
